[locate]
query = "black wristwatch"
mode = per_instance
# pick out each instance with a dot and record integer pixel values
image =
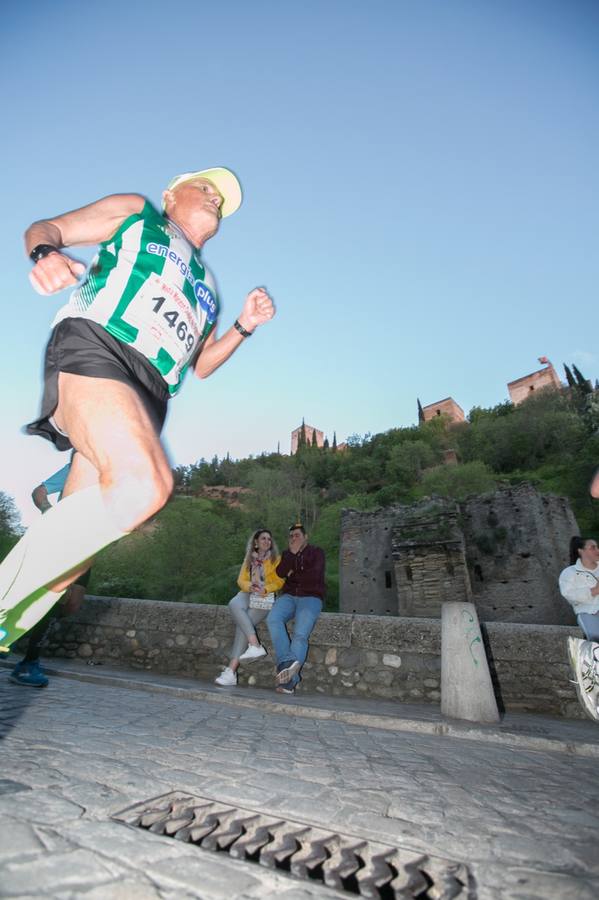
(41, 250)
(242, 331)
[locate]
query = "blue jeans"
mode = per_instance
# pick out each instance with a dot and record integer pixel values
(589, 622)
(305, 611)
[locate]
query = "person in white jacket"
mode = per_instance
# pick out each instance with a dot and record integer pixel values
(579, 584)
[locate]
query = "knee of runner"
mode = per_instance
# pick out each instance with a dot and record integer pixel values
(142, 493)
(156, 490)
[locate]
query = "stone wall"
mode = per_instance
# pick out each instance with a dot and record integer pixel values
(366, 571)
(505, 548)
(516, 545)
(371, 656)
(428, 575)
(429, 558)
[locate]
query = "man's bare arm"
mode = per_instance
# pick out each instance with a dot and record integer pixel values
(88, 225)
(257, 309)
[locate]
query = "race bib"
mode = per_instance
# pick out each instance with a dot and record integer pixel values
(167, 325)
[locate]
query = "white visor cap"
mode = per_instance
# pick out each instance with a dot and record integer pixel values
(224, 181)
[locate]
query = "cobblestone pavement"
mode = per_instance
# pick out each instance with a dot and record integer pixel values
(525, 821)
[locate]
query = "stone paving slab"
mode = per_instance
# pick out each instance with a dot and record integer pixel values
(533, 732)
(525, 820)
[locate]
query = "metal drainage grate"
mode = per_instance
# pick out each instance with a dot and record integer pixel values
(340, 861)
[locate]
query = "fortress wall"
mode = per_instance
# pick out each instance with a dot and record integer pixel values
(504, 550)
(516, 546)
(428, 575)
(366, 570)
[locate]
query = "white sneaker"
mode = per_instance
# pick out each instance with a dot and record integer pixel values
(227, 677)
(253, 652)
(584, 659)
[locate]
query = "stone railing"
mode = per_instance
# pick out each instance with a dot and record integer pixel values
(351, 655)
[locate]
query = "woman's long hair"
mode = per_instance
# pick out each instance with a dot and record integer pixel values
(576, 544)
(252, 545)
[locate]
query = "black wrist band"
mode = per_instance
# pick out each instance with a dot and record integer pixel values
(42, 250)
(241, 329)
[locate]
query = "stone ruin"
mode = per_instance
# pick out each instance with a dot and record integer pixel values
(502, 551)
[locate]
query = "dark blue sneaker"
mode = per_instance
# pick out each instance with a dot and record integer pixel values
(29, 673)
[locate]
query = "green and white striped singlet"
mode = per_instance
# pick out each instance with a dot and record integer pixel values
(148, 287)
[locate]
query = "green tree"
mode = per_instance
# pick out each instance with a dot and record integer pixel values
(583, 383)
(457, 482)
(569, 376)
(545, 426)
(407, 461)
(280, 498)
(301, 441)
(191, 546)
(10, 524)
(478, 413)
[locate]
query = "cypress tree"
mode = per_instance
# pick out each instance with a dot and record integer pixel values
(569, 376)
(302, 435)
(583, 383)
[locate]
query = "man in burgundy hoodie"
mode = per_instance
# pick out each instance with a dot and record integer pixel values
(302, 567)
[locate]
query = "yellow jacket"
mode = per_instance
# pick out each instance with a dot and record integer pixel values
(272, 582)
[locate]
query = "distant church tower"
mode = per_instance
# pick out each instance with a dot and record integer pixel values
(308, 435)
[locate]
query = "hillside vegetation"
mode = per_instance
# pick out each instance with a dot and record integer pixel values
(192, 550)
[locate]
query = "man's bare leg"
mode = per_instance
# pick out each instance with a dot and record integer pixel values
(108, 425)
(111, 430)
(117, 448)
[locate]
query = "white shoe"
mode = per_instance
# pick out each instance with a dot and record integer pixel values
(227, 677)
(253, 652)
(584, 659)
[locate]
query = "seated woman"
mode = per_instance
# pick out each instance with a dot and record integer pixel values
(258, 581)
(579, 585)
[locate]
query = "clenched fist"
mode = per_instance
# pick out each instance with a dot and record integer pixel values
(257, 309)
(54, 272)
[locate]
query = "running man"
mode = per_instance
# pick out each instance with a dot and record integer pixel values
(29, 671)
(146, 312)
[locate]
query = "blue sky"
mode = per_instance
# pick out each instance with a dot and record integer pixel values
(421, 196)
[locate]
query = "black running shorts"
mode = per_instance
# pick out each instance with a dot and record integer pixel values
(82, 347)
